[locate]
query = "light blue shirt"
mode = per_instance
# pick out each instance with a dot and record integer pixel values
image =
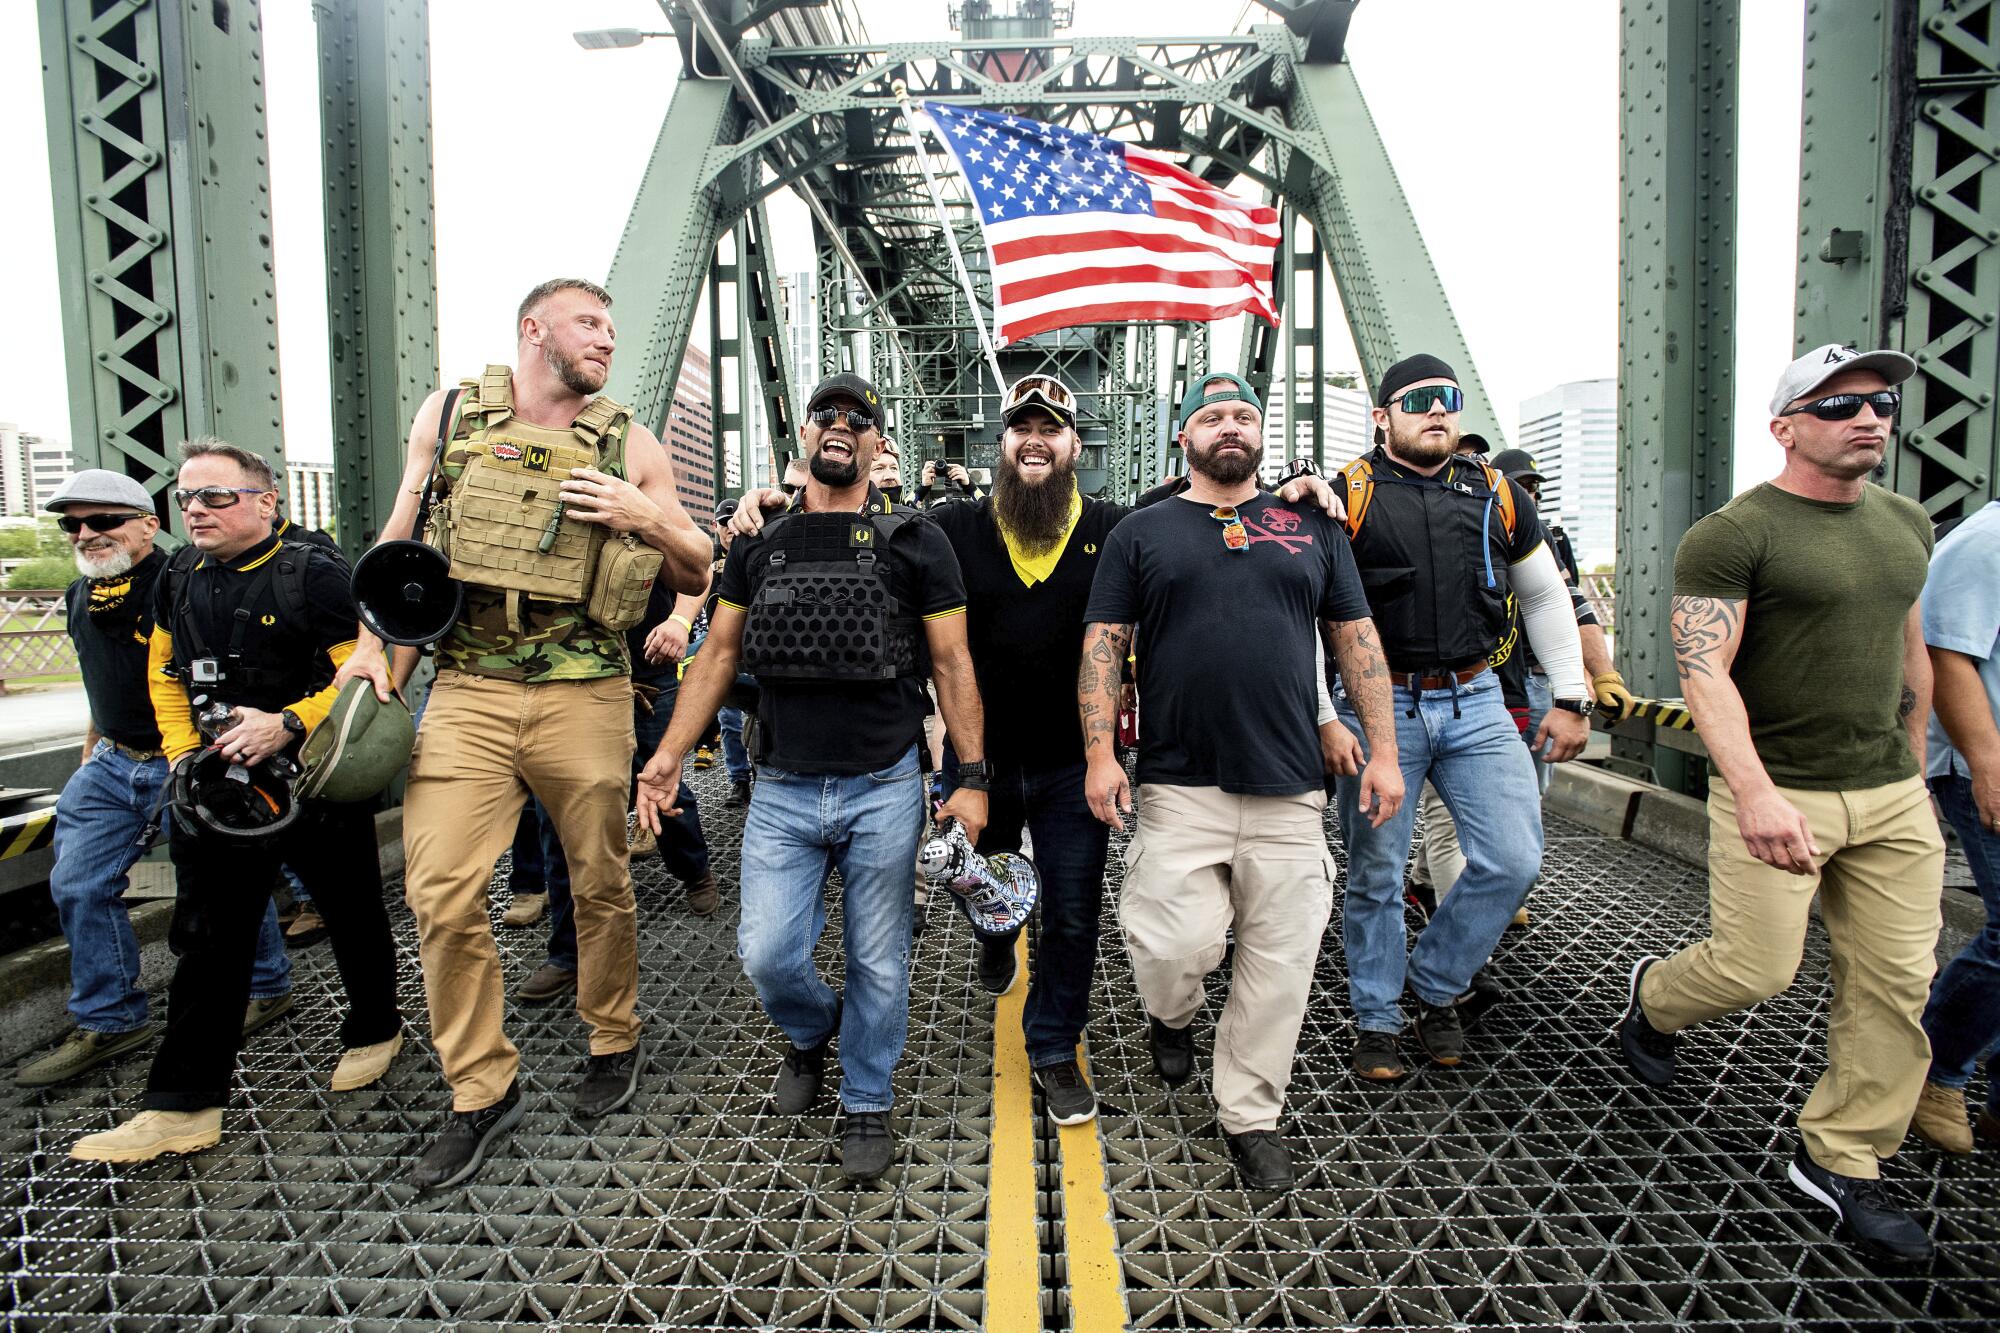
(1962, 613)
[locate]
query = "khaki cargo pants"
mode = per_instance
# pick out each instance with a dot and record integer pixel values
(484, 746)
(1200, 862)
(1880, 882)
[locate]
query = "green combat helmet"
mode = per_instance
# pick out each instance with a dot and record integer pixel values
(360, 747)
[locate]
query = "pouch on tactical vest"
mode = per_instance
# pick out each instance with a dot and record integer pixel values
(502, 524)
(823, 608)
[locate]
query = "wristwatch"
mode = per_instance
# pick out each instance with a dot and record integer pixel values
(975, 776)
(293, 722)
(1581, 707)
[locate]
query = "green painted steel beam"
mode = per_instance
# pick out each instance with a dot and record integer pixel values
(1677, 346)
(381, 249)
(764, 315)
(163, 224)
(1389, 288)
(661, 265)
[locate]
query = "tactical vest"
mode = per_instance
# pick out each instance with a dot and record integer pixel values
(1424, 545)
(502, 523)
(821, 603)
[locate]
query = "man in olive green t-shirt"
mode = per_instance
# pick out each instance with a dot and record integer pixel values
(1798, 643)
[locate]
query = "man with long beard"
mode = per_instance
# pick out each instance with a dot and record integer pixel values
(1229, 589)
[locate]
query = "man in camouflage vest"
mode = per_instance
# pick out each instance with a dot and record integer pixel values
(553, 504)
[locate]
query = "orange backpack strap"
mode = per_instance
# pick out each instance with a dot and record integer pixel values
(1503, 491)
(1360, 478)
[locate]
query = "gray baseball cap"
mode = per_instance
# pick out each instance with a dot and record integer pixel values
(99, 486)
(1822, 363)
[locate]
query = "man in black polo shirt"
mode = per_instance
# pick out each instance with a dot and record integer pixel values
(1227, 589)
(840, 609)
(258, 626)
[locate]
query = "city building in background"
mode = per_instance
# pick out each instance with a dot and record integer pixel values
(689, 436)
(32, 468)
(1572, 431)
(309, 495)
(1345, 430)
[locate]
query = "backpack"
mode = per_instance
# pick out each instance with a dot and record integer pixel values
(1360, 478)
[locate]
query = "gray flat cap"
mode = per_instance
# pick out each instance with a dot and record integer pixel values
(99, 486)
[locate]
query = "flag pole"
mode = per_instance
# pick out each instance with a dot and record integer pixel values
(902, 91)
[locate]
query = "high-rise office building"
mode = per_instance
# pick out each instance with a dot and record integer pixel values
(689, 437)
(1572, 431)
(309, 494)
(1345, 427)
(32, 468)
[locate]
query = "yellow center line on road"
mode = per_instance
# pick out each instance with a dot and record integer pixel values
(1013, 1250)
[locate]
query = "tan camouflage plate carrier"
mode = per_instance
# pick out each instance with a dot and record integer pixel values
(546, 597)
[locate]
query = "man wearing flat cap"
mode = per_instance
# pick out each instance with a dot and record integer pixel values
(110, 522)
(1800, 647)
(1442, 540)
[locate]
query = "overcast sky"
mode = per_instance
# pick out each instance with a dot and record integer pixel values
(1502, 120)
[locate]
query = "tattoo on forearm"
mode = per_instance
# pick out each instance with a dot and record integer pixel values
(1365, 672)
(1097, 679)
(1909, 703)
(1701, 627)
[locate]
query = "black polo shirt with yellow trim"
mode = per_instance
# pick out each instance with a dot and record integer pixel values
(847, 727)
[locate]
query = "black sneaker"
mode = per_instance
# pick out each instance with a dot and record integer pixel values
(1487, 990)
(739, 794)
(1066, 1093)
(1864, 1208)
(866, 1145)
(1440, 1033)
(803, 1070)
(1262, 1160)
(1376, 1059)
(459, 1149)
(1173, 1051)
(608, 1083)
(997, 968)
(1648, 1051)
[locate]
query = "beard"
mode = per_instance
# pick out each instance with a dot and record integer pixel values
(1419, 449)
(1035, 514)
(574, 376)
(107, 566)
(1224, 469)
(829, 473)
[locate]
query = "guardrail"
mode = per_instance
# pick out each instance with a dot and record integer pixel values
(34, 635)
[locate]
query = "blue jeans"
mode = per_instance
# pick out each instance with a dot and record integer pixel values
(1070, 848)
(735, 759)
(1540, 700)
(103, 807)
(866, 825)
(683, 850)
(1963, 1016)
(1465, 742)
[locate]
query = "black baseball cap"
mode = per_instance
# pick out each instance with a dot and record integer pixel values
(1474, 443)
(1515, 465)
(851, 386)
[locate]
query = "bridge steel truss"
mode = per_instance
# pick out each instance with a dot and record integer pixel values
(1899, 246)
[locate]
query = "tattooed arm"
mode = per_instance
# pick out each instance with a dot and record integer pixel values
(1097, 677)
(1915, 706)
(1365, 673)
(1707, 632)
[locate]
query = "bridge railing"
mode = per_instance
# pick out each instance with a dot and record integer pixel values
(34, 636)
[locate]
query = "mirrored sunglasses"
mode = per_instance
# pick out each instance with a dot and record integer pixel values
(73, 524)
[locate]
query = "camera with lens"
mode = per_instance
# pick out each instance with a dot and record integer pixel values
(205, 671)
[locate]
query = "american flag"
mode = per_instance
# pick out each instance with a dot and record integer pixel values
(1085, 230)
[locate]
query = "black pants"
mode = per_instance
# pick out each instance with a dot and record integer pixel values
(223, 887)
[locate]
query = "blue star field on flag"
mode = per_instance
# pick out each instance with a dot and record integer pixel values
(1018, 167)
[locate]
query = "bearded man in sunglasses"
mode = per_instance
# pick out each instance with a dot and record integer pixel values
(1800, 647)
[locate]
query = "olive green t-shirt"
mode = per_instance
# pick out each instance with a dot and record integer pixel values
(1827, 589)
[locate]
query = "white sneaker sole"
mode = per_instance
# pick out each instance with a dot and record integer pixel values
(1806, 1186)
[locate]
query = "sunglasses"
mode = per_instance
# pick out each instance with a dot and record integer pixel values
(216, 497)
(1420, 400)
(96, 522)
(856, 418)
(1038, 388)
(1847, 406)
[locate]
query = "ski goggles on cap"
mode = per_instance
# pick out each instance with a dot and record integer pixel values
(1043, 391)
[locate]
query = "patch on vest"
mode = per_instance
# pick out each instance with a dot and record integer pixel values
(536, 458)
(861, 535)
(510, 452)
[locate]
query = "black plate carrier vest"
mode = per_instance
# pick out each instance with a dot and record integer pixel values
(1429, 570)
(821, 604)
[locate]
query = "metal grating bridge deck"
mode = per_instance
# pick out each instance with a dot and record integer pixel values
(1539, 1186)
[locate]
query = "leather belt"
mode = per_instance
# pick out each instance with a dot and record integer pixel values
(132, 752)
(1438, 681)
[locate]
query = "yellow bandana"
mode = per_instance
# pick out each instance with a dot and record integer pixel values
(1033, 569)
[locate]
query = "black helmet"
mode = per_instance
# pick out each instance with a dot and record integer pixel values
(243, 801)
(406, 594)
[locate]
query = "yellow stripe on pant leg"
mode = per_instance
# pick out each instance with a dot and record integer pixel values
(1013, 1250)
